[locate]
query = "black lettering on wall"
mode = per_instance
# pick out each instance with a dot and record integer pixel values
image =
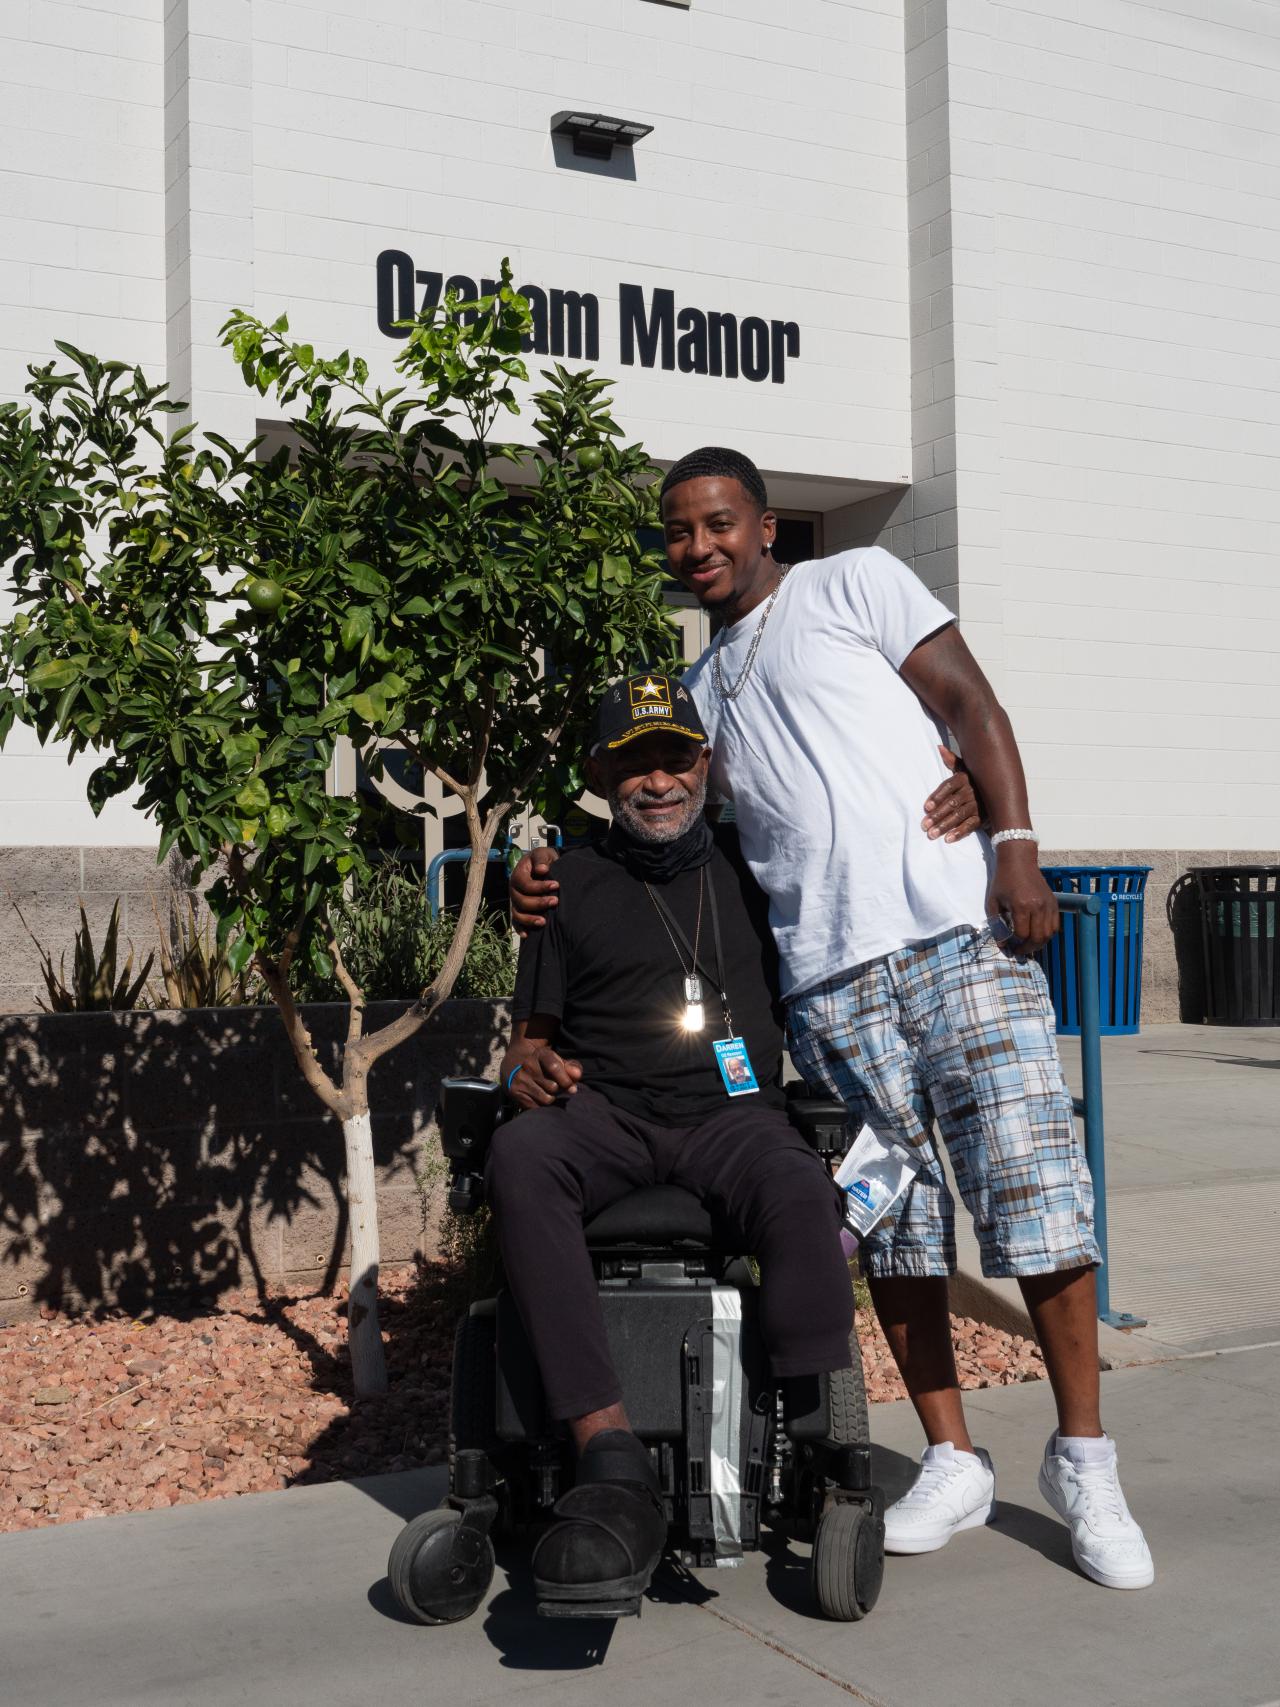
(395, 292)
(575, 324)
(691, 352)
(784, 336)
(755, 348)
(567, 323)
(724, 345)
(537, 342)
(655, 335)
(432, 284)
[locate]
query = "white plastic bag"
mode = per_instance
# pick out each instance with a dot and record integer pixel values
(873, 1176)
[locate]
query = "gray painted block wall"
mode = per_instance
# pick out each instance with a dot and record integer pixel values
(49, 882)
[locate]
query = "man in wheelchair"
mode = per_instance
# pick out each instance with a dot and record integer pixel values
(647, 1049)
(651, 1153)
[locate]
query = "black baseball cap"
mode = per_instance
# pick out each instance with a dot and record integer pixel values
(645, 705)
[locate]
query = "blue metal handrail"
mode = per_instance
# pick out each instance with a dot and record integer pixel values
(1089, 1107)
(452, 856)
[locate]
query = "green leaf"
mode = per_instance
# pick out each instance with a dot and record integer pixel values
(57, 674)
(66, 700)
(239, 955)
(355, 627)
(365, 579)
(254, 798)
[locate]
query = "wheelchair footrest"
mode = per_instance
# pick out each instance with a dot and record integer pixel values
(623, 1607)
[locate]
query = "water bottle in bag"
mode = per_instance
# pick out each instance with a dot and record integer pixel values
(873, 1176)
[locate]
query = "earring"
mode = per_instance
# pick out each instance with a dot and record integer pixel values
(768, 546)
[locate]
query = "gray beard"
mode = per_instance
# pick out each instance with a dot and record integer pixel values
(636, 824)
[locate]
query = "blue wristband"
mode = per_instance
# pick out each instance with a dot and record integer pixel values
(512, 1075)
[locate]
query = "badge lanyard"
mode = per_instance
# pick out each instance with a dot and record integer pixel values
(693, 983)
(732, 1061)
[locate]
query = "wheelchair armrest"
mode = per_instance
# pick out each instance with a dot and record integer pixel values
(469, 1111)
(821, 1120)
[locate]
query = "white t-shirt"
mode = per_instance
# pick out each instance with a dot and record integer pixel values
(828, 758)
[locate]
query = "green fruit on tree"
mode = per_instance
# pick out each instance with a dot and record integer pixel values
(265, 596)
(590, 458)
(254, 798)
(277, 820)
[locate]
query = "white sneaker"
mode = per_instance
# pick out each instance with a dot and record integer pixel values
(1106, 1543)
(954, 1491)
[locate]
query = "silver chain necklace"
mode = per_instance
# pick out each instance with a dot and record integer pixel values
(784, 569)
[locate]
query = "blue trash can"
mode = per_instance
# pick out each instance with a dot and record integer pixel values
(1119, 947)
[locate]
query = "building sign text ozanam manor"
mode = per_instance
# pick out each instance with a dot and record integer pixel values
(651, 331)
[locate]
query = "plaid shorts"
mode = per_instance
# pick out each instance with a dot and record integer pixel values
(955, 1030)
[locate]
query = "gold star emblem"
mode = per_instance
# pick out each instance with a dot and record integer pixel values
(649, 689)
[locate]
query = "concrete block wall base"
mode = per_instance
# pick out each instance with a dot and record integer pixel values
(51, 884)
(146, 1156)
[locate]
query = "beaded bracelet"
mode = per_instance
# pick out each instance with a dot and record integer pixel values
(1014, 836)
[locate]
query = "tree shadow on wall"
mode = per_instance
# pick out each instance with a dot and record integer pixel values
(149, 1157)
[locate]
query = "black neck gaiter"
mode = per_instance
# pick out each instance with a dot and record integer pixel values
(657, 862)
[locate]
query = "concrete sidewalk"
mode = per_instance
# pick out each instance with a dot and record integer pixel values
(280, 1598)
(1192, 1117)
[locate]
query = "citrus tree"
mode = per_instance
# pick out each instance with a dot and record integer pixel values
(211, 622)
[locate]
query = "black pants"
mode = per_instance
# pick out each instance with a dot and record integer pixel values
(552, 1168)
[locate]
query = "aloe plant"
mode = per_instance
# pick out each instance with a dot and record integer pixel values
(197, 971)
(98, 982)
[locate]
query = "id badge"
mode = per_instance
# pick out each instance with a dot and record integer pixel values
(735, 1066)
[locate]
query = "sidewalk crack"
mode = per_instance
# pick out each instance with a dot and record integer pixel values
(787, 1653)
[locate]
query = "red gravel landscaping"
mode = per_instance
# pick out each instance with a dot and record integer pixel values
(108, 1414)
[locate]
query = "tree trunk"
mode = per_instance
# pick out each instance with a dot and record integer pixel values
(368, 1364)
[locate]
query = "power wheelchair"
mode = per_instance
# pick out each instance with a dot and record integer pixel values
(735, 1451)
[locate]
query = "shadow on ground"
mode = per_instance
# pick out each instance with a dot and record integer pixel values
(1211, 1055)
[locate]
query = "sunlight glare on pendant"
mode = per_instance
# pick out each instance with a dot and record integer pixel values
(694, 1017)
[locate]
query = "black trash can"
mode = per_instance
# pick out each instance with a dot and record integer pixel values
(1238, 907)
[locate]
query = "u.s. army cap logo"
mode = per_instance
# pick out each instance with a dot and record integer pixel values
(642, 704)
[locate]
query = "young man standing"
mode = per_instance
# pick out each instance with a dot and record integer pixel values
(824, 695)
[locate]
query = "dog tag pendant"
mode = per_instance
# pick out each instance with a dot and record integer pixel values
(694, 1013)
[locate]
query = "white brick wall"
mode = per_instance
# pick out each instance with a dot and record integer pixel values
(81, 181)
(1033, 250)
(772, 185)
(1136, 197)
(82, 259)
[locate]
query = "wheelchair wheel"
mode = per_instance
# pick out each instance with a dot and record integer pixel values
(850, 1424)
(426, 1582)
(848, 1562)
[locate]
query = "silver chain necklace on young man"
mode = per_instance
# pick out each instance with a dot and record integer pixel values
(694, 1012)
(725, 693)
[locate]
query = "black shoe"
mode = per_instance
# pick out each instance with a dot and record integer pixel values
(597, 1562)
